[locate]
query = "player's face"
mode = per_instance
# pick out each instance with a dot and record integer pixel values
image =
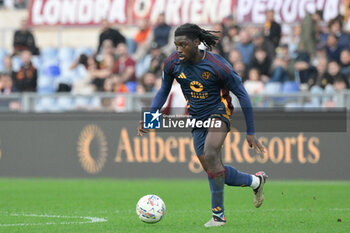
(185, 48)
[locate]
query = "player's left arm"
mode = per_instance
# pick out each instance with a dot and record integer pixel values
(235, 85)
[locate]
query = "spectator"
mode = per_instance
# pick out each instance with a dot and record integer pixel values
(345, 62)
(280, 64)
(161, 31)
(333, 73)
(240, 69)
(124, 65)
(108, 48)
(162, 35)
(98, 72)
(147, 83)
(5, 84)
(261, 62)
(141, 39)
(144, 30)
(293, 40)
(245, 46)
(283, 52)
(261, 42)
(20, 4)
(219, 32)
(320, 79)
(301, 69)
(272, 29)
(229, 22)
(340, 84)
(332, 83)
(309, 34)
(108, 33)
(115, 84)
(81, 60)
(24, 40)
(25, 80)
(157, 60)
(336, 26)
(230, 39)
(254, 85)
(333, 48)
(234, 56)
(345, 9)
(7, 61)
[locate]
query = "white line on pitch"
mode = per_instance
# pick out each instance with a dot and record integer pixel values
(90, 220)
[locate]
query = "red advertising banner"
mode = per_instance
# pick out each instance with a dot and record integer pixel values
(91, 12)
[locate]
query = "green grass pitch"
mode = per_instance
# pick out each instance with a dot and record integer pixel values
(52, 205)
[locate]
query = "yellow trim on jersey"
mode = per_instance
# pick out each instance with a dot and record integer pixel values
(204, 53)
(228, 111)
(228, 118)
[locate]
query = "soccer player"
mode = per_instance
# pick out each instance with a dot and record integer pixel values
(206, 80)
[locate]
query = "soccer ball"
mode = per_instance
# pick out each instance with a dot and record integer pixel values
(150, 208)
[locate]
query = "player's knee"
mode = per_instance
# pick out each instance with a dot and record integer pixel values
(210, 156)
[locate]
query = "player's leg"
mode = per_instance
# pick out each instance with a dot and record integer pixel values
(234, 177)
(216, 172)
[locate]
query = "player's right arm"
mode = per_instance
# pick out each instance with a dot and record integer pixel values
(161, 96)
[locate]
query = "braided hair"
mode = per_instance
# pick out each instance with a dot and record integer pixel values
(193, 31)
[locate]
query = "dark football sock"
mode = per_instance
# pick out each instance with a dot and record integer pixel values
(236, 178)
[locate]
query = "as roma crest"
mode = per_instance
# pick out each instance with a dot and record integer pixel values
(206, 75)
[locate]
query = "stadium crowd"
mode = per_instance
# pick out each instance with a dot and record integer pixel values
(314, 57)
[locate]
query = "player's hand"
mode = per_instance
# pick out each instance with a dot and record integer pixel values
(140, 129)
(254, 143)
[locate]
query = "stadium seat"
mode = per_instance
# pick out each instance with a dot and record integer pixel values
(36, 61)
(83, 50)
(273, 88)
(53, 71)
(290, 87)
(66, 72)
(2, 55)
(16, 63)
(49, 54)
(81, 72)
(66, 54)
(3, 52)
(131, 86)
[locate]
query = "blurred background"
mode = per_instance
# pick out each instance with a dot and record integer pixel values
(94, 64)
(58, 56)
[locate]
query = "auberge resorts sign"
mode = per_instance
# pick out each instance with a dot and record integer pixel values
(153, 148)
(106, 145)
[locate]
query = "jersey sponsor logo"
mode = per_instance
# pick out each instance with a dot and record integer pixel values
(197, 89)
(196, 86)
(206, 75)
(182, 75)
